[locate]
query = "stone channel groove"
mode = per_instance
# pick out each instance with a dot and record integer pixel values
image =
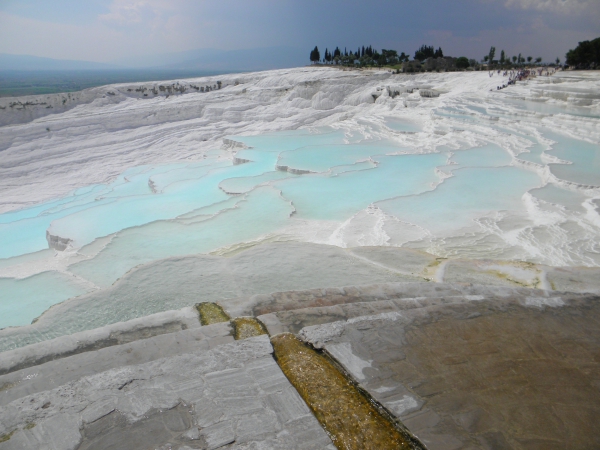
(402, 365)
(351, 420)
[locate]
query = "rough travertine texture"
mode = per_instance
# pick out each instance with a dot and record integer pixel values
(574, 279)
(114, 334)
(58, 372)
(233, 396)
(175, 283)
(294, 321)
(519, 373)
(461, 365)
(241, 282)
(281, 301)
(344, 308)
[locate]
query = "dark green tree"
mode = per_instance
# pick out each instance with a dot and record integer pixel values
(502, 57)
(439, 53)
(424, 52)
(462, 62)
(315, 56)
(585, 55)
(389, 56)
(491, 54)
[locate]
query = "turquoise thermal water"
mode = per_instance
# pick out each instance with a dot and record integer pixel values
(487, 156)
(154, 212)
(402, 125)
(262, 211)
(551, 108)
(23, 300)
(349, 192)
(471, 193)
(571, 200)
(584, 156)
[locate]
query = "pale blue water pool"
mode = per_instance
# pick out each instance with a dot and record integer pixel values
(404, 126)
(154, 212)
(490, 155)
(552, 108)
(584, 156)
(23, 300)
(325, 197)
(471, 193)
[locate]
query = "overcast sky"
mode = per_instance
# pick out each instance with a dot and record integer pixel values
(107, 30)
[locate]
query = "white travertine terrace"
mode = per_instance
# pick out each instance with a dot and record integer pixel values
(97, 183)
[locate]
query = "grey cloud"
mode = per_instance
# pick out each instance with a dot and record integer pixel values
(557, 6)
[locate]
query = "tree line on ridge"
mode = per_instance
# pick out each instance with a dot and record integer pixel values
(585, 55)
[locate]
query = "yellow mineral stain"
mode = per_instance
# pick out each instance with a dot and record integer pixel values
(7, 436)
(352, 421)
(7, 386)
(211, 313)
(247, 327)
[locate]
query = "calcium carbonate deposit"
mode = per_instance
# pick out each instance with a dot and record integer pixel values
(96, 183)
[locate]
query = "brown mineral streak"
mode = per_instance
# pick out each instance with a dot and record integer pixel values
(350, 419)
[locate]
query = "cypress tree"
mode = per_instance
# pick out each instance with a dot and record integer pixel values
(315, 56)
(492, 54)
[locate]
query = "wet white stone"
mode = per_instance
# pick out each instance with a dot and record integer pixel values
(342, 352)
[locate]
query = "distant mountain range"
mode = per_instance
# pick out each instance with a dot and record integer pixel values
(201, 59)
(34, 63)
